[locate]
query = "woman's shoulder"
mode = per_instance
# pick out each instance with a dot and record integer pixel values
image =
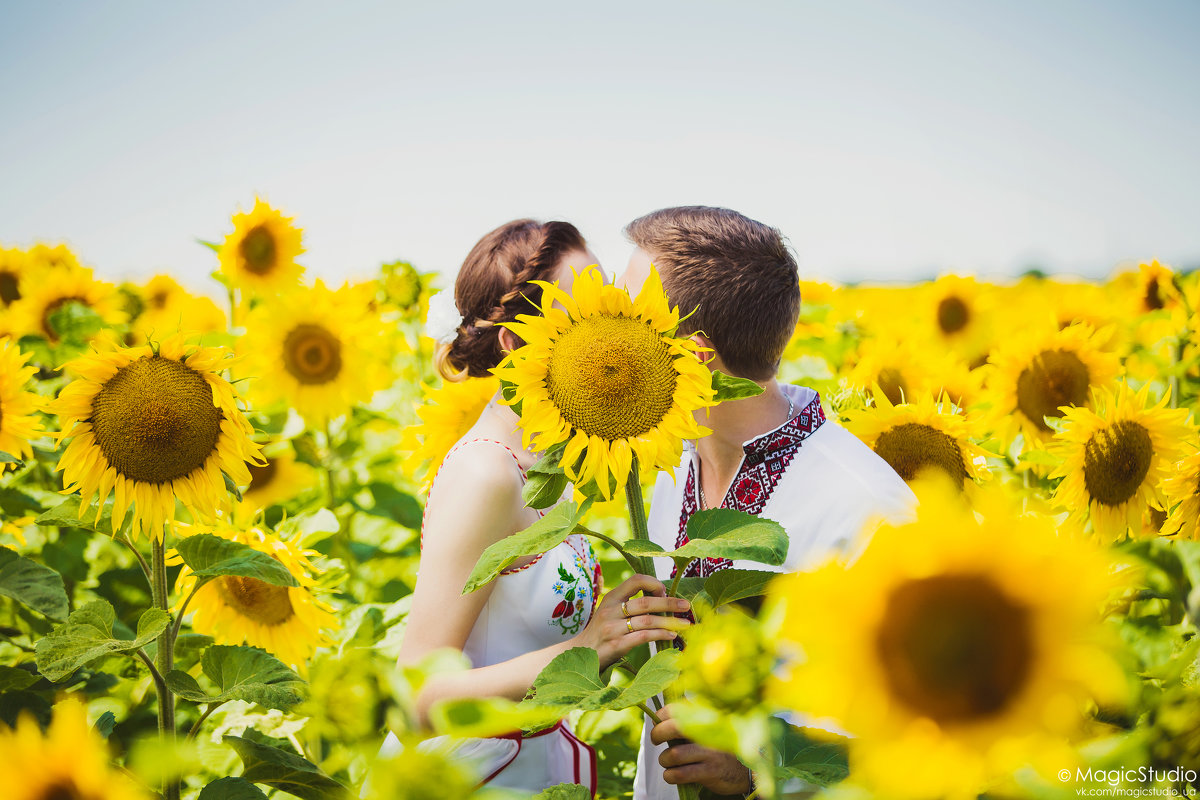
(486, 466)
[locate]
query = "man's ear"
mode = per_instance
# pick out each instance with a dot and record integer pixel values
(710, 352)
(508, 340)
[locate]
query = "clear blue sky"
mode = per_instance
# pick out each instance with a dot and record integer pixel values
(887, 140)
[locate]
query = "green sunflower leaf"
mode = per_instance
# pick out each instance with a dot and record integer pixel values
(240, 673)
(821, 761)
(731, 585)
(32, 584)
(231, 789)
(285, 772)
(211, 556)
(14, 679)
(724, 533)
(564, 791)
(475, 716)
(105, 724)
(546, 481)
(68, 514)
(729, 387)
(546, 533)
(573, 679)
(8, 458)
(88, 634)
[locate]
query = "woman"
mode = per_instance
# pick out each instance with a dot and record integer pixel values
(541, 605)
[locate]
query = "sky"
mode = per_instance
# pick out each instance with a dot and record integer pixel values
(888, 141)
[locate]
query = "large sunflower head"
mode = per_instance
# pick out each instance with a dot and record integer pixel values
(260, 255)
(57, 289)
(604, 373)
(152, 425)
(921, 435)
(18, 406)
(974, 641)
(68, 762)
(1115, 458)
(167, 308)
(314, 350)
(446, 414)
(289, 622)
(1038, 376)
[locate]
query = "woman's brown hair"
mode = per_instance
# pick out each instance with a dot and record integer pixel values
(495, 285)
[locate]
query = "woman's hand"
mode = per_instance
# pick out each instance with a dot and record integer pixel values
(621, 622)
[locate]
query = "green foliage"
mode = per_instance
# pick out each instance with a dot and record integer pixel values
(240, 673)
(573, 679)
(231, 789)
(730, 387)
(32, 584)
(546, 481)
(548, 532)
(564, 791)
(473, 716)
(211, 556)
(88, 635)
(724, 533)
(286, 772)
(70, 513)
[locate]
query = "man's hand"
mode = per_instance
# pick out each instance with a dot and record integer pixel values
(687, 762)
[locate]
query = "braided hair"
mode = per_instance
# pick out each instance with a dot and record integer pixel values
(495, 285)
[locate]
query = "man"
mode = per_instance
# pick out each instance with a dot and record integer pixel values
(773, 455)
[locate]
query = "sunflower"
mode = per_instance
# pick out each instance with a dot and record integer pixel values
(1182, 489)
(68, 762)
(893, 366)
(1114, 460)
(446, 415)
(314, 350)
(1035, 377)
(18, 405)
(12, 269)
(959, 316)
(54, 289)
(604, 373)
(169, 308)
(921, 435)
(153, 424)
(286, 621)
(281, 478)
(260, 254)
(973, 643)
(43, 257)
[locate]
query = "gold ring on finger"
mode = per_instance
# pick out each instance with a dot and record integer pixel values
(629, 623)
(625, 608)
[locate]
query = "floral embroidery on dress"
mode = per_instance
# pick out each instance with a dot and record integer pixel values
(577, 585)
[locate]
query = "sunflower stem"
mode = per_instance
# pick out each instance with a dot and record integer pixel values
(208, 709)
(141, 559)
(165, 658)
(634, 563)
(649, 712)
(637, 515)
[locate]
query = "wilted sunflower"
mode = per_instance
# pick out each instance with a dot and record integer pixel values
(152, 425)
(960, 647)
(168, 308)
(1182, 489)
(281, 478)
(920, 435)
(67, 762)
(314, 350)
(1034, 377)
(260, 255)
(55, 289)
(18, 405)
(12, 268)
(446, 414)
(607, 376)
(1115, 458)
(286, 621)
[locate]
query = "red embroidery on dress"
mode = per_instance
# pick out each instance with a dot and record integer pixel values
(762, 466)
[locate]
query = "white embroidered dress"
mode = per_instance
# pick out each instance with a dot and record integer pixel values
(531, 607)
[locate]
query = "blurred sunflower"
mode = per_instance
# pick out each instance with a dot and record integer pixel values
(58, 288)
(152, 425)
(1182, 490)
(281, 478)
(959, 316)
(18, 406)
(405, 288)
(1115, 458)
(67, 762)
(314, 350)
(961, 647)
(446, 414)
(1034, 377)
(260, 255)
(287, 621)
(893, 365)
(606, 376)
(43, 257)
(12, 269)
(168, 308)
(921, 435)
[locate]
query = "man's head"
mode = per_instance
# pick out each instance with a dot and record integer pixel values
(737, 274)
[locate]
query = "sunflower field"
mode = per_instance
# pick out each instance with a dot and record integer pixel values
(210, 516)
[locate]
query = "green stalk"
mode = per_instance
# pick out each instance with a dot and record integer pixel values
(165, 659)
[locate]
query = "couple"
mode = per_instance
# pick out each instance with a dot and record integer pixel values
(773, 454)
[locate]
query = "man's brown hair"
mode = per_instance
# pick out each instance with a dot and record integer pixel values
(735, 273)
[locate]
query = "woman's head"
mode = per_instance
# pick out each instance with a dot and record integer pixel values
(495, 285)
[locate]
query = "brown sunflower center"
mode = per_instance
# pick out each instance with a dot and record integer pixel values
(9, 290)
(1153, 298)
(955, 648)
(61, 789)
(159, 299)
(154, 420)
(1053, 378)
(261, 476)
(258, 250)
(893, 385)
(912, 447)
(1115, 461)
(52, 307)
(312, 354)
(952, 314)
(611, 376)
(256, 600)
